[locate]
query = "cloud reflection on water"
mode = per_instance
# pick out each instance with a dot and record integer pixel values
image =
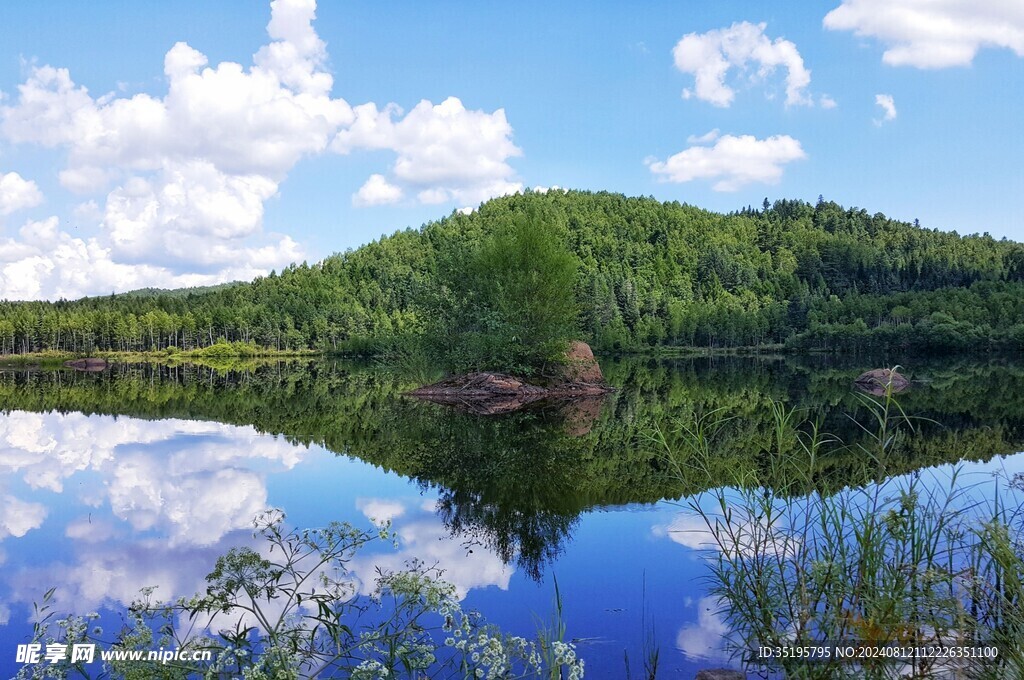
(120, 504)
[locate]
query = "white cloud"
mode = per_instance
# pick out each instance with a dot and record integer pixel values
(743, 46)
(704, 639)
(195, 481)
(51, 263)
(933, 34)
(89, 530)
(745, 537)
(113, 572)
(445, 151)
(193, 508)
(183, 177)
(380, 510)
(885, 101)
(376, 191)
(17, 193)
(18, 517)
(826, 102)
(426, 540)
(705, 138)
(732, 162)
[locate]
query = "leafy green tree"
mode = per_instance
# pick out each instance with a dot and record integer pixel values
(511, 304)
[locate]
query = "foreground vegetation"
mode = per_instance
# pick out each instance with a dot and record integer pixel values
(290, 609)
(913, 562)
(646, 274)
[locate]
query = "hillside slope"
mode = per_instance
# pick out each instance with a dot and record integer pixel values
(651, 274)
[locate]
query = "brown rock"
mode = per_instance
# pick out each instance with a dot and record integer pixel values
(494, 393)
(581, 366)
(89, 364)
(877, 380)
(720, 674)
(581, 414)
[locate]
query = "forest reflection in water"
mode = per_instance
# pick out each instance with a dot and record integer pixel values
(518, 483)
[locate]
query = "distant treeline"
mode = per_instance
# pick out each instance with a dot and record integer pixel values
(650, 274)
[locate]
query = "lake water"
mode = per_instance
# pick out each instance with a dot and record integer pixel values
(141, 476)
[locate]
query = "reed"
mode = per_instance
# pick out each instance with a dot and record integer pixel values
(910, 561)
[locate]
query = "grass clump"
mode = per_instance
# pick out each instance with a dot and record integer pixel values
(913, 561)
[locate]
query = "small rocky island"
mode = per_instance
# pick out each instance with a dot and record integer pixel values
(487, 393)
(879, 381)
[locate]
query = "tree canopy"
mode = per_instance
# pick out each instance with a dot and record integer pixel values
(648, 274)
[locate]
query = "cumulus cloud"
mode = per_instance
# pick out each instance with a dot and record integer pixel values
(107, 572)
(18, 517)
(170, 497)
(17, 193)
(194, 481)
(380, 510)
(183, 177)
(705, 638)
(49, 263)
(732, 162)
(376, 191)
(931, 35)
(426, 540)
(888, 106)
(444, 151)
(746, 538)
(743, 46)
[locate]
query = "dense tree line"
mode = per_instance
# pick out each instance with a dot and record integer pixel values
(649, 274)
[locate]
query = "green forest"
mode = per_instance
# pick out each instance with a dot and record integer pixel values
(644, 274)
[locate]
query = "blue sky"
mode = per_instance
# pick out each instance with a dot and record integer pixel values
(189, 143)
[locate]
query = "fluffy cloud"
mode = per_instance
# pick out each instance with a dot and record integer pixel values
(888, 106)
(183, 178)
(171, 496)
(426, 540)
(194, 481)
(732, 162)
(46, 262)
(18, 517)
(376, 191)
(17, 193)
(705, 639)
(743, 46)
(445, 152)
(746, 537)
(935, 34)
(380, 510)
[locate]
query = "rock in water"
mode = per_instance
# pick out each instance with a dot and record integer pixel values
(877, 380)
(720, 674)
(581, 366)
(89, 364)
(486, 393)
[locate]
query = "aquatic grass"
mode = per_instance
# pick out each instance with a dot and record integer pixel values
(650, 649)
(909, 561)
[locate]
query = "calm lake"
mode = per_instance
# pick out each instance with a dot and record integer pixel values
(142, 475)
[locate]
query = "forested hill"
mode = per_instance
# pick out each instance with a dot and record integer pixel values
(650, 273)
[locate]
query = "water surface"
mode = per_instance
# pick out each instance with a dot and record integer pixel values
(143, 475)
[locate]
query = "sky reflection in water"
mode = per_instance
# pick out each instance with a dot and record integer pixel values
(101, 506)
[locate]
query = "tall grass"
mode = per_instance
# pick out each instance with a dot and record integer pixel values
(911, 561)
